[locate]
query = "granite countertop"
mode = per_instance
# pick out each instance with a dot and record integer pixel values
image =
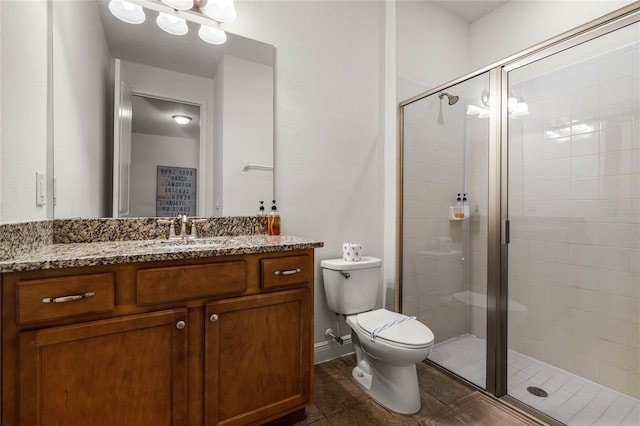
(112, 252)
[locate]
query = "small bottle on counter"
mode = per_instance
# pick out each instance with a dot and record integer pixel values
(261, 211)
(273, 221)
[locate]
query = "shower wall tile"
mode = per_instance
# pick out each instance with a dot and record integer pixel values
(616, 330)
(617, 139)
(584, 166)
(585, 144)
(557, 148)
(616, 163)
(584, 188)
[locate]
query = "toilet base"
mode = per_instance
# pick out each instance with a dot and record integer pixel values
(393, 387)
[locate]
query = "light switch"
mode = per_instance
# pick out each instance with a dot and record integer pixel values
(40, 189)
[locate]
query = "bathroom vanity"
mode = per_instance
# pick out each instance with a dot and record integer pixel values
(151, 334)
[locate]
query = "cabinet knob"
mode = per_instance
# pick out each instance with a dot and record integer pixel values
(180, 325)
(213, 317)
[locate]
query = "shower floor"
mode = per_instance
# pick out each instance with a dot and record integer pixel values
(572, 400)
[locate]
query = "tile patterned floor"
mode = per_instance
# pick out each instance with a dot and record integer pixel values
(572, 400)
(339, 401)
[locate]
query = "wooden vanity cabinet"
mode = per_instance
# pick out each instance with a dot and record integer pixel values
(262, 339)
(122, 371)
(137, 352)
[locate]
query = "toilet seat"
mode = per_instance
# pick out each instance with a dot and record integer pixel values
(410, 334)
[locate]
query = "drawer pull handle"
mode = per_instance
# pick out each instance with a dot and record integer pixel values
(64, 299)
(289, 272)
(213, 317)
(180, 325)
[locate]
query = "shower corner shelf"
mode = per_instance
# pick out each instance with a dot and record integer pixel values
(452, 210)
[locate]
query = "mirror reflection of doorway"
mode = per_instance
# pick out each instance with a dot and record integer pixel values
(159, 139)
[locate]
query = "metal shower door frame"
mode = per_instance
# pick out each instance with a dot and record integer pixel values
(498, 219)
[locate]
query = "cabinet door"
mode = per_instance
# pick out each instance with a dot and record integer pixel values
(257, 357)
(124, 371)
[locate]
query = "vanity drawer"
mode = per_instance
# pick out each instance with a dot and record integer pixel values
(64, 297)
(171, 284)
(286, 271)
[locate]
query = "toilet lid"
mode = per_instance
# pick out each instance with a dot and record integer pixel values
(409, 333)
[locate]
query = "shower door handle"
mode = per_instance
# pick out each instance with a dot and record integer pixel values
(505, 237)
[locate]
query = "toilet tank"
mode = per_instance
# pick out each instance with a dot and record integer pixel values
(351, 287)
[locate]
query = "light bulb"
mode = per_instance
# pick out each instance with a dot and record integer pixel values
(220, 10)
(212, 35)
(172, 24)
(520, 110)
(181, 119)
(126, 11)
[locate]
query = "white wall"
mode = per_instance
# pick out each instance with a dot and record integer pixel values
(432, 47)
(247, 131)
(520, 24)
(23, 103)
(82, 102)
(329, 123)
(147, 153)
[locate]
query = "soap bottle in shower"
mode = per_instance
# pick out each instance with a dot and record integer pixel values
(273, 221)
(465, 205)
(458, 211)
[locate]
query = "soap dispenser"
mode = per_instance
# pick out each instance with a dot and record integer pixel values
(261, 211)
(273, 222)
(458, 212)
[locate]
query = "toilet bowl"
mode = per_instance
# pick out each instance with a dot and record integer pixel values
(386, 365)
(387, 344)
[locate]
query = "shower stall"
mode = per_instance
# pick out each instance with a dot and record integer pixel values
(520, 224)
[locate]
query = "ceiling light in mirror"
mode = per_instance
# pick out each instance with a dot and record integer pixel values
(127, 12)
(220, 10)
(212, 35)
(179, 4)
(181, 119)
(172, 24)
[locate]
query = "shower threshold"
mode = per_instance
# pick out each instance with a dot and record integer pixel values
(570, 399)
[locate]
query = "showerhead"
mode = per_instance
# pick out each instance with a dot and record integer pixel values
(452, 99)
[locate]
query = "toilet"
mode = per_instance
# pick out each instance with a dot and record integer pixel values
(388, 344)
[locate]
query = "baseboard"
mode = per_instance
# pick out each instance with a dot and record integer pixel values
(330, 349)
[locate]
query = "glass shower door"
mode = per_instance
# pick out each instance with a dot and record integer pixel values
(444, 248)
(574, 252)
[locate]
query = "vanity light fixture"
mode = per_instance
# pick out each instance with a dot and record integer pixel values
(181, 119)
(172, 24)
(212, 35)
(126, 11)
(179, 4)
(172, 21)
(515, 108)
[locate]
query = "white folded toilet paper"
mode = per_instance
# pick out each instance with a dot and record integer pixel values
(351, 252)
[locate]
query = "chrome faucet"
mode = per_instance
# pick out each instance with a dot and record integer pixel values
(183, 225)
(183, 220)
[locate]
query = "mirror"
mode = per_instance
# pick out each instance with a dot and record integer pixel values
(97, 58)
